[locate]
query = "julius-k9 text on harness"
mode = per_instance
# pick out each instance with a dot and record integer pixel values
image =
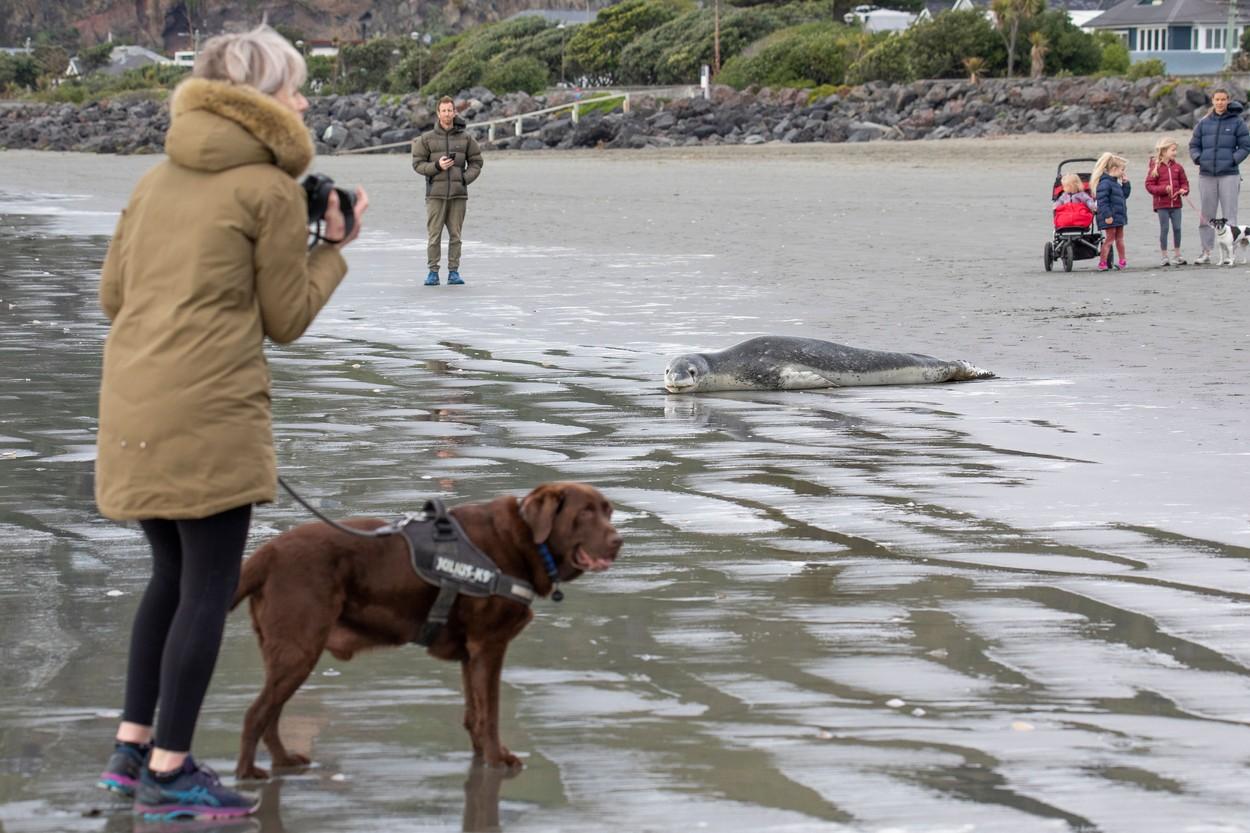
(443, 556)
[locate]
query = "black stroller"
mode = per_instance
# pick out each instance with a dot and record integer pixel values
(1076, 235)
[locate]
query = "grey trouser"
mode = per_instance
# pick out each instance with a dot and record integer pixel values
(1169, 217)
(440, 213)
(1219, 199)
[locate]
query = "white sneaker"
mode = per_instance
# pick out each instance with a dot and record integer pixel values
(1205, 257)
(1165, 261)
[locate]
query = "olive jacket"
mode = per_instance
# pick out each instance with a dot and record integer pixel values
(429, 147)
(209, 257)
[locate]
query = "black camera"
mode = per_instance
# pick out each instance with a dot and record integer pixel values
(318, 188)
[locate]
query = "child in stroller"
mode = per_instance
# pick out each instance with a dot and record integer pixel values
(1076, 237)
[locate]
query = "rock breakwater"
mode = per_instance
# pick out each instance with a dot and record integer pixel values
(936, 109)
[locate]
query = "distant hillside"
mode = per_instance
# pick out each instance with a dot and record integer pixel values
(164, 24)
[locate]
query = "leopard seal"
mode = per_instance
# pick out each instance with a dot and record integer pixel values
(791, 363)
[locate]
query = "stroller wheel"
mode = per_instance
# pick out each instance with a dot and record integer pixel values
(1048, 256)
(1068, 257)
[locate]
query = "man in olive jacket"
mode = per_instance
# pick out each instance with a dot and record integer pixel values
(449, 159)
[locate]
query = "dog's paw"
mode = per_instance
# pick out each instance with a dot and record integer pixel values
(504, 759)
(251, 773)
(291, 760)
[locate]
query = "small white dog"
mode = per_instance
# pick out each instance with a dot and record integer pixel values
(1228, 236)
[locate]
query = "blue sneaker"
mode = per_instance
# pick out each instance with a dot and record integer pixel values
(121, 774)
(196, 793)
(432, 278)
(454, 279)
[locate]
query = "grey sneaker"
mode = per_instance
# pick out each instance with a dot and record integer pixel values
(1177, 260)
(1165, 261)
(1205, 257)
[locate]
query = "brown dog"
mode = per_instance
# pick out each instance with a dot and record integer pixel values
(315, 588)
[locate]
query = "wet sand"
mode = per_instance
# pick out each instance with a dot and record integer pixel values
(1013, 604)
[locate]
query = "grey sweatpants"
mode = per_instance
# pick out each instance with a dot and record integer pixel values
(1219, 199)
(440, 213)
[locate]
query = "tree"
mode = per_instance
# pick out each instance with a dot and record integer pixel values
(888, 60)
(1008, 16)
(1068, 48)
(807, 55)
(939, 46)
(1115, 58)
(974, 65)
(1037, 55)
(525, 74)
(595, 48)
(365, 66)
(95, 57)
(51, 59)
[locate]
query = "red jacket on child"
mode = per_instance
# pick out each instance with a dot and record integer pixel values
(1159, 177)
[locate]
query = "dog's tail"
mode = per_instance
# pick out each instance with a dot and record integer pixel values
(253, 575)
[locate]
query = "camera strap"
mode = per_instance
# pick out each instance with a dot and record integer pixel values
(315, 237)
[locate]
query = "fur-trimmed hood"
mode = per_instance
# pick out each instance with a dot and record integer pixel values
(215, 125)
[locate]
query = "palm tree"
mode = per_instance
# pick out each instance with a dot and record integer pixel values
(974, 65)
(1037, 55)
(1008, 15)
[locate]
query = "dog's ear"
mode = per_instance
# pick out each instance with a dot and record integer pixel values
(539, 509)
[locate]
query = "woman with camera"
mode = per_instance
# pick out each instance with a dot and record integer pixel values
(209, 257)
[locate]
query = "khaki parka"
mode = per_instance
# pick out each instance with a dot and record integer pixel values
(209, 257)
(433, 145)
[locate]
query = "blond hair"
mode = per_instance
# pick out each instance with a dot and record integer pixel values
(1162, 145)
(260, 58)
(1105, 162)
(1071, 183)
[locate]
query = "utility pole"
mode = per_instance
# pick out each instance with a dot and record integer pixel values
(716, 39)
(1230, 33)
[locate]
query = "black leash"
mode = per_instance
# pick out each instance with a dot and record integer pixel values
(549, 561)
(381, 532)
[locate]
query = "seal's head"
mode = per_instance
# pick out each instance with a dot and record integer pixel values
(684, 373)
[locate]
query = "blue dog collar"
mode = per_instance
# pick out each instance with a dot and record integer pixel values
(549, 562)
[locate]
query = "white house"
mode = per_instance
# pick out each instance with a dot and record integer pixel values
(873, 19)
(125, 58)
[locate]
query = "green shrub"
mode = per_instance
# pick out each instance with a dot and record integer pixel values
(365, 67)
(1150, 68)
(1071, 49)
(525, 74)
(455, 64)
(147, 82)
(825, 90)
(18, 71)
(801, 56)
(1115, 60)
(320, 73)
(95, 57)
(594, 49)
(888, 60)
(675, 52)
(939, 46)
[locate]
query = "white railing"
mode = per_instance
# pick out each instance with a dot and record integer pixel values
(517, 120)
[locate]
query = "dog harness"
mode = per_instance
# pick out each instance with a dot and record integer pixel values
(443, 556)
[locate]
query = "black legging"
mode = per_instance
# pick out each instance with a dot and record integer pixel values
(180, 621)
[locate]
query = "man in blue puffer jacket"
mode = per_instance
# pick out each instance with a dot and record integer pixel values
(1219, 145)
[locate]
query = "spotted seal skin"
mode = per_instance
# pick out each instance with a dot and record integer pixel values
(788, 363)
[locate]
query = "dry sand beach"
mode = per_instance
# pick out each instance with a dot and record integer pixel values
(1015, 604)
